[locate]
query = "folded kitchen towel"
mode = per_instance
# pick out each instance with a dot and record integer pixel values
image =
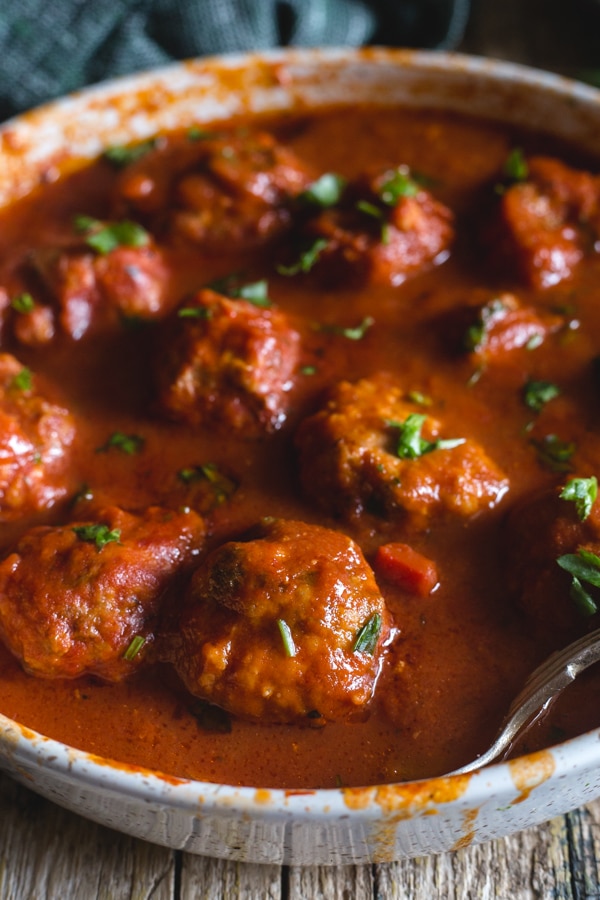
(51, 47)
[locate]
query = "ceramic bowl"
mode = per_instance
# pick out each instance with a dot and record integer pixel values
(337, 826)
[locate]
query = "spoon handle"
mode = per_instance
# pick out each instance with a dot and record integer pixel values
(540, 689)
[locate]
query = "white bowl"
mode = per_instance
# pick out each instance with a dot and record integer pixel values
(337, 826)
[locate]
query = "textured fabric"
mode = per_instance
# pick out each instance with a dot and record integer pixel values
(51, 47)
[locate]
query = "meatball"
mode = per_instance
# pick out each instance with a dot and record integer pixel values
(227, 362)
(35, 439)
(288, 627)
(379, 233)
(129, 281)
(493, 329)
(83, 598)
(369, 449)
(541, 530)
(221, 191)
(547, 222)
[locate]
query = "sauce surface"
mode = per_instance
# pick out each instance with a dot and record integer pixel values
(459, 652)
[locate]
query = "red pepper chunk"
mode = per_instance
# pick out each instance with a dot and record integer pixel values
(406, 568)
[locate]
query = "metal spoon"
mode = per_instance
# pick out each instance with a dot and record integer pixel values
(541, 688)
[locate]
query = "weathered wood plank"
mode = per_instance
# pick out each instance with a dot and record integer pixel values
(47, 853)
(220, 880)
(584, 835)
(332, 883)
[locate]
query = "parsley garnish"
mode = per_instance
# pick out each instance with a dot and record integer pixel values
(128, 443)
(368, 635)
(222, 486)
(325, 191)
(100, 535)
(22, 381)
(476, 334)
(257, 292)
(286, 637)
(306, 260)
(105, 237)
(537, 393)
(582, 492)
(554, 453)
(515, 165)
(23, 303)
(134, 648)
(352, 333)
(194, 312)
(410, 443)
(120, 156)
(584, 567)
(398, 184)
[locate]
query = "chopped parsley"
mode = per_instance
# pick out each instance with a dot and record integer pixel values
(537, 393)
(194, 312)
(515, 165)
(134, 647)
(286, 637)
(582, 492)
(410, 443)
(23, 303)
(257, 292)
(368, 635)
(22, 381)
(105, 237)
(584, 568)
(476, 335)
(352, 333)
(127, 443)
(325, 191)
(554, 453)
(122, 155)
(222, 486)
(398, 184)
(100, 535)
(306, 260)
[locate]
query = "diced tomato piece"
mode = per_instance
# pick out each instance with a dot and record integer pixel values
(406, 568)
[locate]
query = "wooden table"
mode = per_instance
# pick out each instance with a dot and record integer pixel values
(47, 853)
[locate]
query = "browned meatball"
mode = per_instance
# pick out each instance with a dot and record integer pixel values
(547, 222)
(289, 627)
(35, 438)
(493, 329)
(380, 233)
(540, 531)
(82, 598)
(130, 281)
(218, 191)
(227, 362)
(369, 449)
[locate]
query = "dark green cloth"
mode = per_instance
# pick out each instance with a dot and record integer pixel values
(51, 47)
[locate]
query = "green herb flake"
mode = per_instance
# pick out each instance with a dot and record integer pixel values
(515, 165)
(134, 647)
(368, 635)
(256, 292)
(398, 184)
(583, 493)
(23, 380)
(307, 259)
(410, 443)
(286, 637)
(476, 335)
(194, 312)
(222, 486)
(369, 209)
(195, 133)
(100, 535)
(127, 443)
(326, 191)
(104, 238)
(537, 393)
(584, 567)
(23, 303)
(121, 156)
(308, 370)
(554, 453)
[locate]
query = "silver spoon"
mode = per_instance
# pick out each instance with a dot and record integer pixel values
(541, 688)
